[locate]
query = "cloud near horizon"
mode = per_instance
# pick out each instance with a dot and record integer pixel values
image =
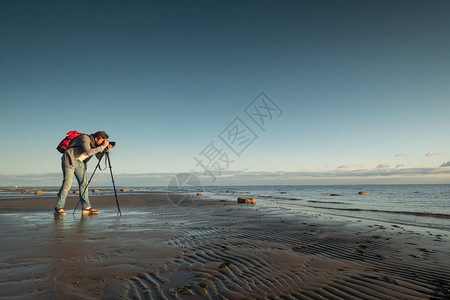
(244, 177)
(383, 166)
(447, 164)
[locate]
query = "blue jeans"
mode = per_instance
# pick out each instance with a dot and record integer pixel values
(79, 169)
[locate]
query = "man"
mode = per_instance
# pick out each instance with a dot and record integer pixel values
(74, 162)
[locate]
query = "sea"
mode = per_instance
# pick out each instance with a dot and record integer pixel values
(422, 206)
(425, 206)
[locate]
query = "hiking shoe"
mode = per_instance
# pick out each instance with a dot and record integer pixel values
(90, 211)
(59, 212)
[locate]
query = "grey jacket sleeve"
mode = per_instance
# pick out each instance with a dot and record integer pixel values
(85, 144)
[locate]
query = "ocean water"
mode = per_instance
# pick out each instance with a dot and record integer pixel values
(425, 206)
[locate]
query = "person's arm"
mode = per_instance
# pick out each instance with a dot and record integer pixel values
(86, 146)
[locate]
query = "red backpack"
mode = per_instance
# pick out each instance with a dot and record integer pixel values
(71, 135)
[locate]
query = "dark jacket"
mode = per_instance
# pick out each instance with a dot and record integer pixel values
(82, 144)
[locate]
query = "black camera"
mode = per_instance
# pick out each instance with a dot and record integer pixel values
(112, 144)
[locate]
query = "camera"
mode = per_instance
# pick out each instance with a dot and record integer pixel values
(112, 144)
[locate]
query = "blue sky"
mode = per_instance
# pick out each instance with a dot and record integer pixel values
(362, 85)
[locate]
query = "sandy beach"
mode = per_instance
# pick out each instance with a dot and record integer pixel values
(210, 249)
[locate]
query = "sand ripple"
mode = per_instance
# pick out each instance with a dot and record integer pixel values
(217, 251)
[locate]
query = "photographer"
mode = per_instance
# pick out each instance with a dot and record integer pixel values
(74, 162)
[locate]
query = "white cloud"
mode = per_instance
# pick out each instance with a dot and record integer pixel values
(399, 166)
(399, 154)
(343, 167)
(431, 153)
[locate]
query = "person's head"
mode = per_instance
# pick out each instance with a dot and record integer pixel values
(99, 137)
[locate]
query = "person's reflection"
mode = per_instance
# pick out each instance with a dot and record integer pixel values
(59, 223)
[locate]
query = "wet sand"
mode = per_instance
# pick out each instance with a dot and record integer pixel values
(169, 248)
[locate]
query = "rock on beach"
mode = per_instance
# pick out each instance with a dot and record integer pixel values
(246, 200)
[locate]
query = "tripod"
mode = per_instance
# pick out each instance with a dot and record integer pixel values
(108, 162)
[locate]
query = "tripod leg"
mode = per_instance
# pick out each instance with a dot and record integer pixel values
(114, 185)
(85, 189)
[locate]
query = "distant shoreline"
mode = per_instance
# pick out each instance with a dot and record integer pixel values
(106, 186)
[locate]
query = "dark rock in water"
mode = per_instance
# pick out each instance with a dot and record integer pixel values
(334, 195)
(282, 192)
(363, 193)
